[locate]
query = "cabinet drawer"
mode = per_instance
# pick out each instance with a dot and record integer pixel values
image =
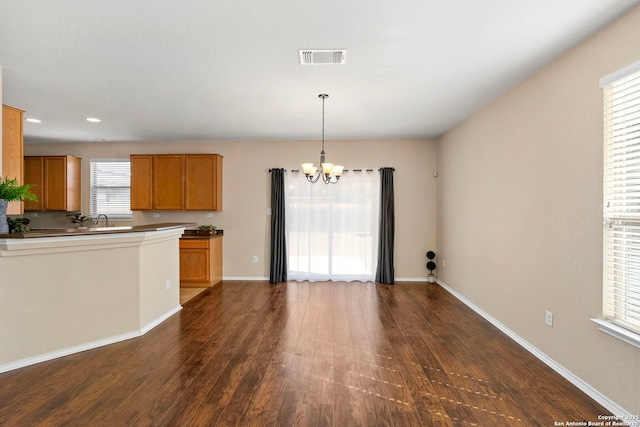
(194, 243)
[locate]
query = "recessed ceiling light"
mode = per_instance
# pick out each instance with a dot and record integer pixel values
(93, 120)
(32, 120)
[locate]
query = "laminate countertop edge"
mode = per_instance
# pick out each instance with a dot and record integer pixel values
(69, 232)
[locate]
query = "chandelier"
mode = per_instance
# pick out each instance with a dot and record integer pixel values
(330, 173)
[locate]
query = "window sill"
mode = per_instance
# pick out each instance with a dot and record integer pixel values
(619, 332)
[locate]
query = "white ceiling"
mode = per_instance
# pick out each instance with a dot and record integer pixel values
(201, 70)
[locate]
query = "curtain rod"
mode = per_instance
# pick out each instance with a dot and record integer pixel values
(345, 170)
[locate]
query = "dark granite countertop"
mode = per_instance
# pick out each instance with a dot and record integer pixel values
(195, 234)
(61, 232)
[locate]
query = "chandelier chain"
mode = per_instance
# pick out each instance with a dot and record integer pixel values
(329, 172)
(323, 96)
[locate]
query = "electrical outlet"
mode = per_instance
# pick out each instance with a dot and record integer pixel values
(34, 214)
(209, 214)
(268, 211)
(168, 284)
(548, 318)
(255, 258)
(156, 215)
(444, 263)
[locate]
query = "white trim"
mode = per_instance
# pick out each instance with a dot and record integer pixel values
(66, 351)
(568, 375)
(83, 242)
(149, 326)
(620, 74)
(17, 364)
(618, 332)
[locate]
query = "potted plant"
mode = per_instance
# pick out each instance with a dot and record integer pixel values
(11, 191)
(78, 218)
(18, 225)
(207, 229)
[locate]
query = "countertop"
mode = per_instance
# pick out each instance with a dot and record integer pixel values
(61, 232)
(193, 234)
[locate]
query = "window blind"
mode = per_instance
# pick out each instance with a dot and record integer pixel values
(111, 188)
(621, 290)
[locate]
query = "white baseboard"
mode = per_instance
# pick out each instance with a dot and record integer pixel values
(568, 375)
(28, 361)
(149, 326)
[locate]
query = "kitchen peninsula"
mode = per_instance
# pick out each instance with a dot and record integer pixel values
(66, 291)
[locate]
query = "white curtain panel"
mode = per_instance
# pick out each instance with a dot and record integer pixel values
(332, 229)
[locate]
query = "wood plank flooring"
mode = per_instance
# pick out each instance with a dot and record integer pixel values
(187, 293)
(302, 354)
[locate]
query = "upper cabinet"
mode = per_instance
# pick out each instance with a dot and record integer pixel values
(56, 182)
(12, 150)
(141, 182)
(176, 182)
(203, 182)
(168, 185)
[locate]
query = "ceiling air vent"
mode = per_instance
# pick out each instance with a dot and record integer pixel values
(322, 56)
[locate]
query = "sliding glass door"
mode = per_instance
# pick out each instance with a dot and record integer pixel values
(332, 230)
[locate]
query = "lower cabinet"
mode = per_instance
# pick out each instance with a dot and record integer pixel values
(200, 261)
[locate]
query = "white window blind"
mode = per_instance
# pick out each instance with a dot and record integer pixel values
(111, 188)
(621, 290)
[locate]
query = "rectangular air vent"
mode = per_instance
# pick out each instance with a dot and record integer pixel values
(322, 56)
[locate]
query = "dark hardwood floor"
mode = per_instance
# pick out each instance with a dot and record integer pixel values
(302, 354)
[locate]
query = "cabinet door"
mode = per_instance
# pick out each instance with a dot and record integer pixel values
(141, 182)
(194, 260)
(12, 150)
(168, 182)
(55, 177)
(201, 182)
(72, 183)
(34, 174)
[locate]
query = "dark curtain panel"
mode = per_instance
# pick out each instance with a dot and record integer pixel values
(278, 262)
(384, 271)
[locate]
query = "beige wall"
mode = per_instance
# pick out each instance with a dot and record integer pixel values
(247, 191)
(520, 212)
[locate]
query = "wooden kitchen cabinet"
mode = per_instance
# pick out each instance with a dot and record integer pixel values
(141, 182)
(168, 173)
(200, 262)
(34, 174)
(56, 181)
(176, 182)
(203, 182)
(12, 150)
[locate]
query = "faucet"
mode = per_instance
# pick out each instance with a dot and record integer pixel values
(106, 220)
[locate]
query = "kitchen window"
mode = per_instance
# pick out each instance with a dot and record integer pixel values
(621, 245)
(111, 188)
